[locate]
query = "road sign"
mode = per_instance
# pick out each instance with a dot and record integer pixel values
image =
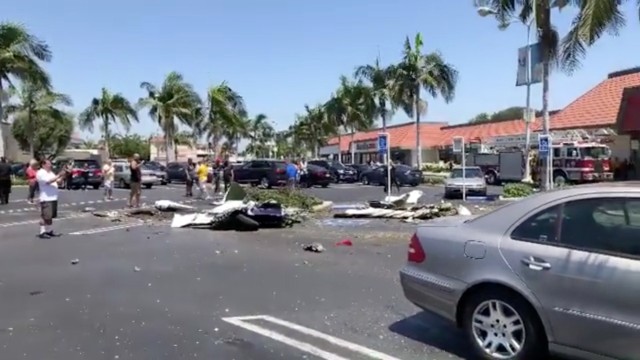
(382, 143)
(458, 144)
(544, 142)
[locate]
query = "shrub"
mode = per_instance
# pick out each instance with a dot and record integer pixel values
(517, 190)
(286, 197)
(433, 180)
(18, 181)
(435, 167)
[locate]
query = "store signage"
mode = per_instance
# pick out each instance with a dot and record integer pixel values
(366, 146)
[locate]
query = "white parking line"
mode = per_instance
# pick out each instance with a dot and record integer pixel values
(243, 322)
(81, 203)
(28, 222)
(105, 229)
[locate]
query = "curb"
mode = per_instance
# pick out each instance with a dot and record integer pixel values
(326, 205)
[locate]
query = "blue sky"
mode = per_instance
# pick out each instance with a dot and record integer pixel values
(281, 54)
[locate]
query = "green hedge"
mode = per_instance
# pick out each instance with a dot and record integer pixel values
(18, 181)
(435, 167)
(433, 180)
(517, 190)
(286, 197)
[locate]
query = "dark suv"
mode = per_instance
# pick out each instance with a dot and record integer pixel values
(338, 171)
(264, 172)
(93, 174)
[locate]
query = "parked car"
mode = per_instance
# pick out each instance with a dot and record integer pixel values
(92, 168)
(339, 171)
(360, 169)
(18, 169)
(557, 270)
(157, 171)
(405, 175)
(315, 175)
(176, 172)
(473, 182)
(264, 172)
(122, 176)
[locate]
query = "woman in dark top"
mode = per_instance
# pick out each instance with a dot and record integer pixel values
(227, 175)
(191, 177)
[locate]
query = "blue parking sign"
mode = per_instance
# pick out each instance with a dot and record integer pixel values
(544, 144)
(382, 143)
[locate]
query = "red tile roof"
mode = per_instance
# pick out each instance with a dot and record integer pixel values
(402, 135)
(484, 131)
(598, 106)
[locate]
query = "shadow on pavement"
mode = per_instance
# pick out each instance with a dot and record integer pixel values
(434, 331)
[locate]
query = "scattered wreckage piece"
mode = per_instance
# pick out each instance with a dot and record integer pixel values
(404, 207)
(168, 205)
(236, 213)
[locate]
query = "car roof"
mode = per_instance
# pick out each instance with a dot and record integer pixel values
(511, 213)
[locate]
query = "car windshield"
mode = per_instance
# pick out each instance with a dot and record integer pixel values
(469, 173)
(596, 152)
(81, 164)
(338, 165)
(403, 168)
(315, 168)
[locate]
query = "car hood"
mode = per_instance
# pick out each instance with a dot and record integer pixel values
(460, 181)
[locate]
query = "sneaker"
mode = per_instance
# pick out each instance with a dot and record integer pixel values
(43, 236)
(53, 234)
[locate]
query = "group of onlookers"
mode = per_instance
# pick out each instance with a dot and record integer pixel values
(197, 174)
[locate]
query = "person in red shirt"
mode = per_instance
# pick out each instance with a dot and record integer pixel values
(30, 173)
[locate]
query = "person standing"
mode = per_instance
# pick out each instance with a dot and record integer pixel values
(5, 181)
(227, 175)
(217, 176)
(85, 176)
(202, 172)
(30, 174)
(108, 174)
(292, 175)
(134, 180)
(69, 176)
(190, 173)
(394, 180)
(48, 185)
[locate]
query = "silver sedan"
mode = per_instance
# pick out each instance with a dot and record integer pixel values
(472, 182)
(557, 271)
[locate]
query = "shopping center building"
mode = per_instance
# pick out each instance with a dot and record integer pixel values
(610, 111)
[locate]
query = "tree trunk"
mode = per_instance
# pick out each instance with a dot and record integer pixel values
(416, 108)
(384, 130)
(2, 144)
(353, 146)
(339, 148)
(107, 138)
(546, 173)
(167, 148)
(32, 138)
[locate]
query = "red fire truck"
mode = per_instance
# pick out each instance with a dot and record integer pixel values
(575, 159)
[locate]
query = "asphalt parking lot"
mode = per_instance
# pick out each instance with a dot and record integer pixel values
(134, 290)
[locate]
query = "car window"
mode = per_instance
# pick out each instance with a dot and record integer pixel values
(258, 165)
(315, 168)
(610, 225)
(541, 227)
(338, 166)
(118, 168)
(468, 173)
(280, 164)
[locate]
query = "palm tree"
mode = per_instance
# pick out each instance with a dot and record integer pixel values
(184, 138)
(379, 79)
(20, 54)
(89, 144)
(594, 18)
(223, 114)
(36, 102)
(310, 130)
(351, 107)
(415, 72)
(174, 102)
(111, 109)
(260, 134)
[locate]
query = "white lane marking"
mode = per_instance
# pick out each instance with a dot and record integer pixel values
(36, 208)
(29, 222)
(105, 229)
(302, 346)
(241, 321)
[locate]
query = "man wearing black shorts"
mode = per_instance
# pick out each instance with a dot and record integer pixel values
(48, 184)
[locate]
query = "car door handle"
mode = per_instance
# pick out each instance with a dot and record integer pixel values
(534, 263)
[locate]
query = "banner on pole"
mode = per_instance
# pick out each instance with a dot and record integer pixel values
(535, 67)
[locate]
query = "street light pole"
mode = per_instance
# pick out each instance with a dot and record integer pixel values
(527, 117)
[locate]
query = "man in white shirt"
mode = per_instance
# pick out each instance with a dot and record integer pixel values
(108, 175)
(48, 184)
